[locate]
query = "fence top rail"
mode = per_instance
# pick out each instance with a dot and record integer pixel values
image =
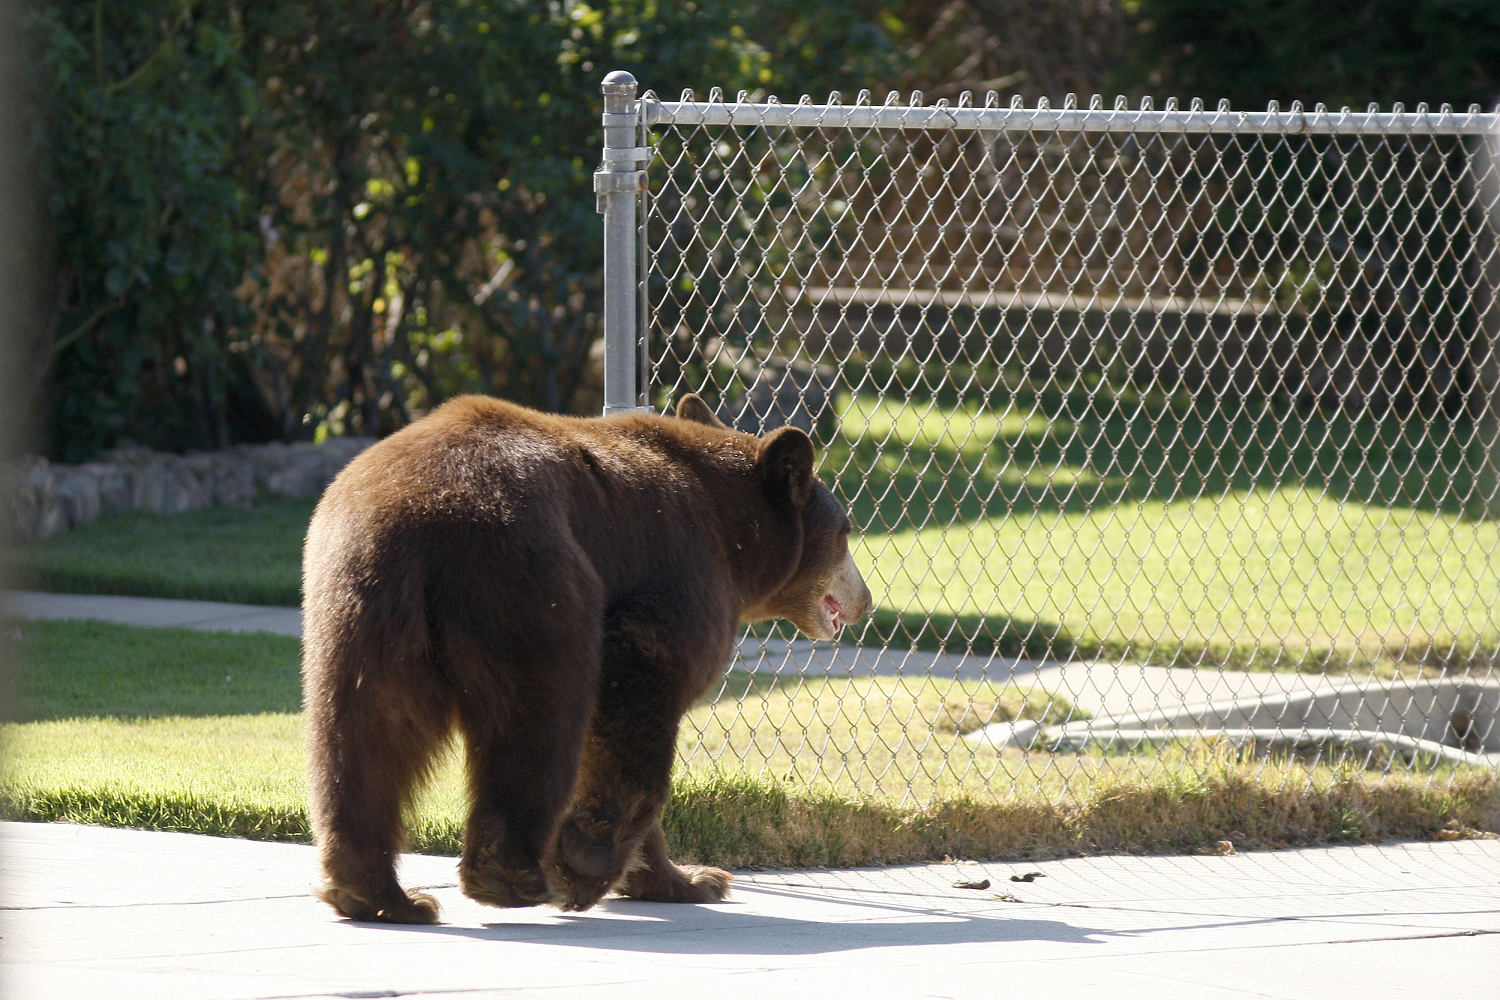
(1119, 118)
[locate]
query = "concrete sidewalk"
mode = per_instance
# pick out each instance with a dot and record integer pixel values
(159, 612)
(119, 913)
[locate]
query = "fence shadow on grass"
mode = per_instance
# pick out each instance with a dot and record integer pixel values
(1098, 448)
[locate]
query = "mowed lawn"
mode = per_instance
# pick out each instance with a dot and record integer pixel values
(1152, 530)
(1056, 524)
(170, 716)
(178, 730)
(1046, 525)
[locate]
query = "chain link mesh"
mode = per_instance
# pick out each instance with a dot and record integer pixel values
(1165, 443)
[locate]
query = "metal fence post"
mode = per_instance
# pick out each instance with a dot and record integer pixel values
(618, 183)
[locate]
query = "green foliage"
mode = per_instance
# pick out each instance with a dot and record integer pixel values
(1253, 51)
(269, 219)
(150, 229)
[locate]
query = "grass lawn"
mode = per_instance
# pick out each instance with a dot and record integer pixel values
(1150, 529)
(1054, 525)
(181, 730)
(1047, 524)
(243, 555)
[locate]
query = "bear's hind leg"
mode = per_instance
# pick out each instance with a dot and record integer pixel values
(523, 753)
(367, 757)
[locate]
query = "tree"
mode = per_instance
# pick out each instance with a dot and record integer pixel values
(149, 229)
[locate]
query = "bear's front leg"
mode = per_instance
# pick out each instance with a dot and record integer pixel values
(623, 783)
(598, 844)
(655, 663)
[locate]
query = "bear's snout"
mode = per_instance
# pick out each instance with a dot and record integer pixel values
(846, 600)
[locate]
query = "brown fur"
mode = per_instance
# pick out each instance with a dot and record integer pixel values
(560, 591)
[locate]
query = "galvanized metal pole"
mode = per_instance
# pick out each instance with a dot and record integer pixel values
(618, 183)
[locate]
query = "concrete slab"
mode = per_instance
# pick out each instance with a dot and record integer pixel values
(119, 913)
(1102, 687)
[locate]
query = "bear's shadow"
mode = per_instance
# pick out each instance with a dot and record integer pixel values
(729, 929)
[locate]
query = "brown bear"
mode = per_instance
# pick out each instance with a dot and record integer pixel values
(560, 591)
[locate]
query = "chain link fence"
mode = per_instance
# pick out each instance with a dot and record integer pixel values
(1169, 435)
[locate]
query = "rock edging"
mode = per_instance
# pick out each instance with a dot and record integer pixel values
(39, 498)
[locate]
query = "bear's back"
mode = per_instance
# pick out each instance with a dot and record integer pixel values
(481, 480)
(477, 458)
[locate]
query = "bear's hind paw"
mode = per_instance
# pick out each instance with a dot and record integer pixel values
(706, 884)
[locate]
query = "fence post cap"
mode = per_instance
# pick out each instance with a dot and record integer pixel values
(619, 82)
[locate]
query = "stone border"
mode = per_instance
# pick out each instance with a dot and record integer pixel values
(39, 498)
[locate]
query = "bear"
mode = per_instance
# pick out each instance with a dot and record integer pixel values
(559, 591)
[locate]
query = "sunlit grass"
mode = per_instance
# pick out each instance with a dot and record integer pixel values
(1279, 578)
(897, 738)
(118, 726)
(1171, 537)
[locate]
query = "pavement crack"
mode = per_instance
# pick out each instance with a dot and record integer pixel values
(147, 904)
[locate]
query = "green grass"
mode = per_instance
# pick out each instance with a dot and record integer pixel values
(1153, 529)
(1055, 524)
(85, 669)
(180, 730)
(894, 738)
(243, 555)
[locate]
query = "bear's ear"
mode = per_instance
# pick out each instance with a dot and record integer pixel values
(692, 407)
(786, 465)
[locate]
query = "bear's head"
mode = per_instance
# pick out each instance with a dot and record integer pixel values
(825, 591)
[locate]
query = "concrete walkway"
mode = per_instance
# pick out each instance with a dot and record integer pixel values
(204, 615)
(118, 913)
(122, 913)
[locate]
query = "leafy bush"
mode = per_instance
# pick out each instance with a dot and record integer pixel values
(150, 228)
(270, 218)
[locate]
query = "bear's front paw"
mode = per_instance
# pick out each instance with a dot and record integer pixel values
(678, 884)
(584, 866)
(506, 886)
